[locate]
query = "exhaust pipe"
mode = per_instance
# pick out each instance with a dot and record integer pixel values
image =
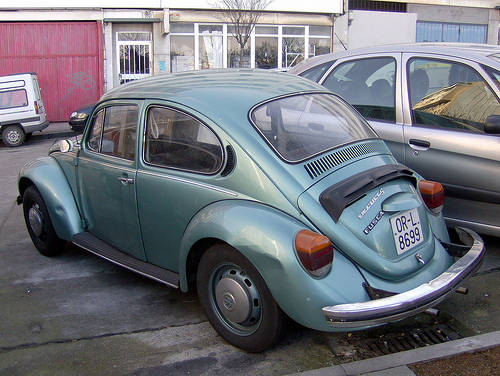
(463, 290)
(432, 312)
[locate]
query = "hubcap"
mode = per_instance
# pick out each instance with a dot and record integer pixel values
(237, 300)
(36, 221)
(233, 300)
(13, 136)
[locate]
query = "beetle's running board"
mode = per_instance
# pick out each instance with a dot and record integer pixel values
(96, 246)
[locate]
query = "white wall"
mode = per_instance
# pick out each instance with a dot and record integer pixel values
(375, 28)
(310, 6)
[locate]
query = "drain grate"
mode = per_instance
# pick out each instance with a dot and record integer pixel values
(414, 339)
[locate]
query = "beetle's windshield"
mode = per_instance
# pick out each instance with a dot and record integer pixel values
(300, 126)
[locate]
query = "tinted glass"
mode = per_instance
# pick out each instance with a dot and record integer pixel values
(94, 140)
(449, 95)
(302, 126)
(13, 98)
(176, 140)
(367, 84)
(120, 131)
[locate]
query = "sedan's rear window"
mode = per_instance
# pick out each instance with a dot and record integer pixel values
(301, 126)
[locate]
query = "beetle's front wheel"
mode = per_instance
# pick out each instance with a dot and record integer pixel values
(237, 301)
(39, 225)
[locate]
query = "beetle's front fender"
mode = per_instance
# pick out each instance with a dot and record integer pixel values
(50, 180)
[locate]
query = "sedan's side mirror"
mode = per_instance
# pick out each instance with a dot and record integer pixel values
(492, 125)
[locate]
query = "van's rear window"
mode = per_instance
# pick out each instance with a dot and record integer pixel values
(13, 98)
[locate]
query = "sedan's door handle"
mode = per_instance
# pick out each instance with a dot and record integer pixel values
(419, 144)
(126, 181)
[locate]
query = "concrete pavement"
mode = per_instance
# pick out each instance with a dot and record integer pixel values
(479, 311)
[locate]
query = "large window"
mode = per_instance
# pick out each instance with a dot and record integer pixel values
(449, 95)
(204, 46)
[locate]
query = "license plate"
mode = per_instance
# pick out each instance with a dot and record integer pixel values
(407, 230)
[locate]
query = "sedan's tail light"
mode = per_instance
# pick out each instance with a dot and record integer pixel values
(314, 252)
(433, 195)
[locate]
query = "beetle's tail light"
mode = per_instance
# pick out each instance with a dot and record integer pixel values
(433, 195)
(314, 252)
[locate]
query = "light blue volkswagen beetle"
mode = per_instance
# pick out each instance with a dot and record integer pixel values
(268, 191)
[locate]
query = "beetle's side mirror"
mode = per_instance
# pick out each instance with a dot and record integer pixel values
(492, 125)
(65, 146)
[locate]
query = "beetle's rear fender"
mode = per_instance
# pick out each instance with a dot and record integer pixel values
(265, 236)
(50, 180)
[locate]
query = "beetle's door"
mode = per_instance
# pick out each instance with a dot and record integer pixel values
(107, 174)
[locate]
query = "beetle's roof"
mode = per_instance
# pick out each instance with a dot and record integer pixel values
(482, 53)
(258, 85)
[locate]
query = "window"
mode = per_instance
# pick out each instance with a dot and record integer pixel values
(13, 98)
(133, 55)
(450, 32)
(204, 46)
(367, 84)
(176, 140)
(210, 42)
(449, 95)
(114, 131)
(301, 126)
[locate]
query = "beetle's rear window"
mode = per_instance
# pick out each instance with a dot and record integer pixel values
(301, 126)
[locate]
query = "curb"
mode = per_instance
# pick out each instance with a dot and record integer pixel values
(395, 364)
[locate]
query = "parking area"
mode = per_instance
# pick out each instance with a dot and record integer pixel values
(79, 314)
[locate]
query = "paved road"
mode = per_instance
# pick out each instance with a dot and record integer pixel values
(77, 314)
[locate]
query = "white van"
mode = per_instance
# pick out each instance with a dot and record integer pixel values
(21, 108)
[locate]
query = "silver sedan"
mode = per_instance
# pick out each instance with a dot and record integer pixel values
(437, 107)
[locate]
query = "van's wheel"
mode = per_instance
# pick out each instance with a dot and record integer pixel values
(13, 136)
(39, 225)
(237, 301)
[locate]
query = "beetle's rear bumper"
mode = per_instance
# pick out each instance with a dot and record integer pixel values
(400, 306)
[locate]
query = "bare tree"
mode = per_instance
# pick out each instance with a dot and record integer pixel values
(241, 16)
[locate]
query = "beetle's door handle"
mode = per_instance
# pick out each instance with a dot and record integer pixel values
(419, 144)
(126, 181)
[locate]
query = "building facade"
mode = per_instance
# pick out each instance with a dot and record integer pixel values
(81, 51)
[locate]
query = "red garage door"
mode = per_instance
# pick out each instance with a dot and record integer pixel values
(66, 56)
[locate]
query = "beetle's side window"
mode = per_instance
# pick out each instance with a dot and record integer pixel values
(177, 140)
(448, 95)
(114, 131)
(367, 84)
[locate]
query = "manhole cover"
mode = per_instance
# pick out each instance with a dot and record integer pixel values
(421, 337)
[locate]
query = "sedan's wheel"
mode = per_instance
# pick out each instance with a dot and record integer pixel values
(237, 302)
(39, 225)
(13, 136)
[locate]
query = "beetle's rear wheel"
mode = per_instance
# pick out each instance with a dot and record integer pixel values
(237, 301)
(39, 225)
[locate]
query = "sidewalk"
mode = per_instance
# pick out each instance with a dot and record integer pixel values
(397, 364)
(55, 130)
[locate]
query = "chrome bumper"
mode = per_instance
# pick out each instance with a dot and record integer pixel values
(409, 303)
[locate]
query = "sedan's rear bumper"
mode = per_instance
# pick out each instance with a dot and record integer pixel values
(380, 311)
